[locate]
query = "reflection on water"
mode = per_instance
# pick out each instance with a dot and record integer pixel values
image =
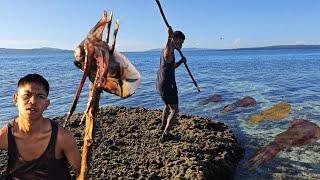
(290, 76)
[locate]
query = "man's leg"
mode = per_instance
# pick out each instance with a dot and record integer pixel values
(174, 109)
(165, 114)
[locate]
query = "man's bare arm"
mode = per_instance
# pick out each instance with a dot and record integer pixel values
(182, 60)
(169, 46)
(4, 138)
(70, 149)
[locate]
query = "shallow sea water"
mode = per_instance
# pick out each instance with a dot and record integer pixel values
(270, 76)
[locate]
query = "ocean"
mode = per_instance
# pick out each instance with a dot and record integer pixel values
(269, 76)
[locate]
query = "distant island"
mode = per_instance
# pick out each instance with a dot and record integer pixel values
(45, 50)
(184, 49)
(251, 48)
(35, 50)
(281, 47)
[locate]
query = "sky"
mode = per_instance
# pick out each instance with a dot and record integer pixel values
(216, 24)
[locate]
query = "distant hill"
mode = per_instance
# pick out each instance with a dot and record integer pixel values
(253, 48)
(45, 50)
(36, 50)
(281, 47)
(183, 49)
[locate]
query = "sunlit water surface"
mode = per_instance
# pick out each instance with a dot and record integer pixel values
(270, 76)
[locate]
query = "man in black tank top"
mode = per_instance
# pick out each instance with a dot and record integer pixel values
(166, 82)
(38, 148)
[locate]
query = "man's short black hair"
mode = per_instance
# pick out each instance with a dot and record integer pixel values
(36, 78)
(179, 35)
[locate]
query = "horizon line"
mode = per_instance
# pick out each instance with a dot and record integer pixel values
(186, 48)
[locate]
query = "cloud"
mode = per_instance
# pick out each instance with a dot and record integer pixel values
(237, 43)
(134, 45)
(25, 43)
(189, 44)
(299, 42)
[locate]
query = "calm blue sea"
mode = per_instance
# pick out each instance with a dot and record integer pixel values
(270, 76)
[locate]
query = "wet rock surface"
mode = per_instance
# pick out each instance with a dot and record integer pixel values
(126, 145)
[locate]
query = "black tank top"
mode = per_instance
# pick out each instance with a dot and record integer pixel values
(45, 167)
(166, 80)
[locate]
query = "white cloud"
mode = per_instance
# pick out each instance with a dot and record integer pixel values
(121, 45)
(131, 45)
(299, 42)
(25, 43)
(237, 43)
(191, 44)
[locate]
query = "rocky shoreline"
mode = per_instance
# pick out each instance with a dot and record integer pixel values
(126, 146)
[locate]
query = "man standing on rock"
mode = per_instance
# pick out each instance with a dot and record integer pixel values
(38, 148)
(166, 83)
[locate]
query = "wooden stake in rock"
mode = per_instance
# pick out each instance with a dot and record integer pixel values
(89, 134)
(109, 71)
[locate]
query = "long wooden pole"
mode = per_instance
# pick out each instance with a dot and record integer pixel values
(88, 135)
(165, 20)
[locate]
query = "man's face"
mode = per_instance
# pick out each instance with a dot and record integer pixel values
(178, 43)
(31, 100)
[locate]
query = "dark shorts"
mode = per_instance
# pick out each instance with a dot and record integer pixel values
(169, 95)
